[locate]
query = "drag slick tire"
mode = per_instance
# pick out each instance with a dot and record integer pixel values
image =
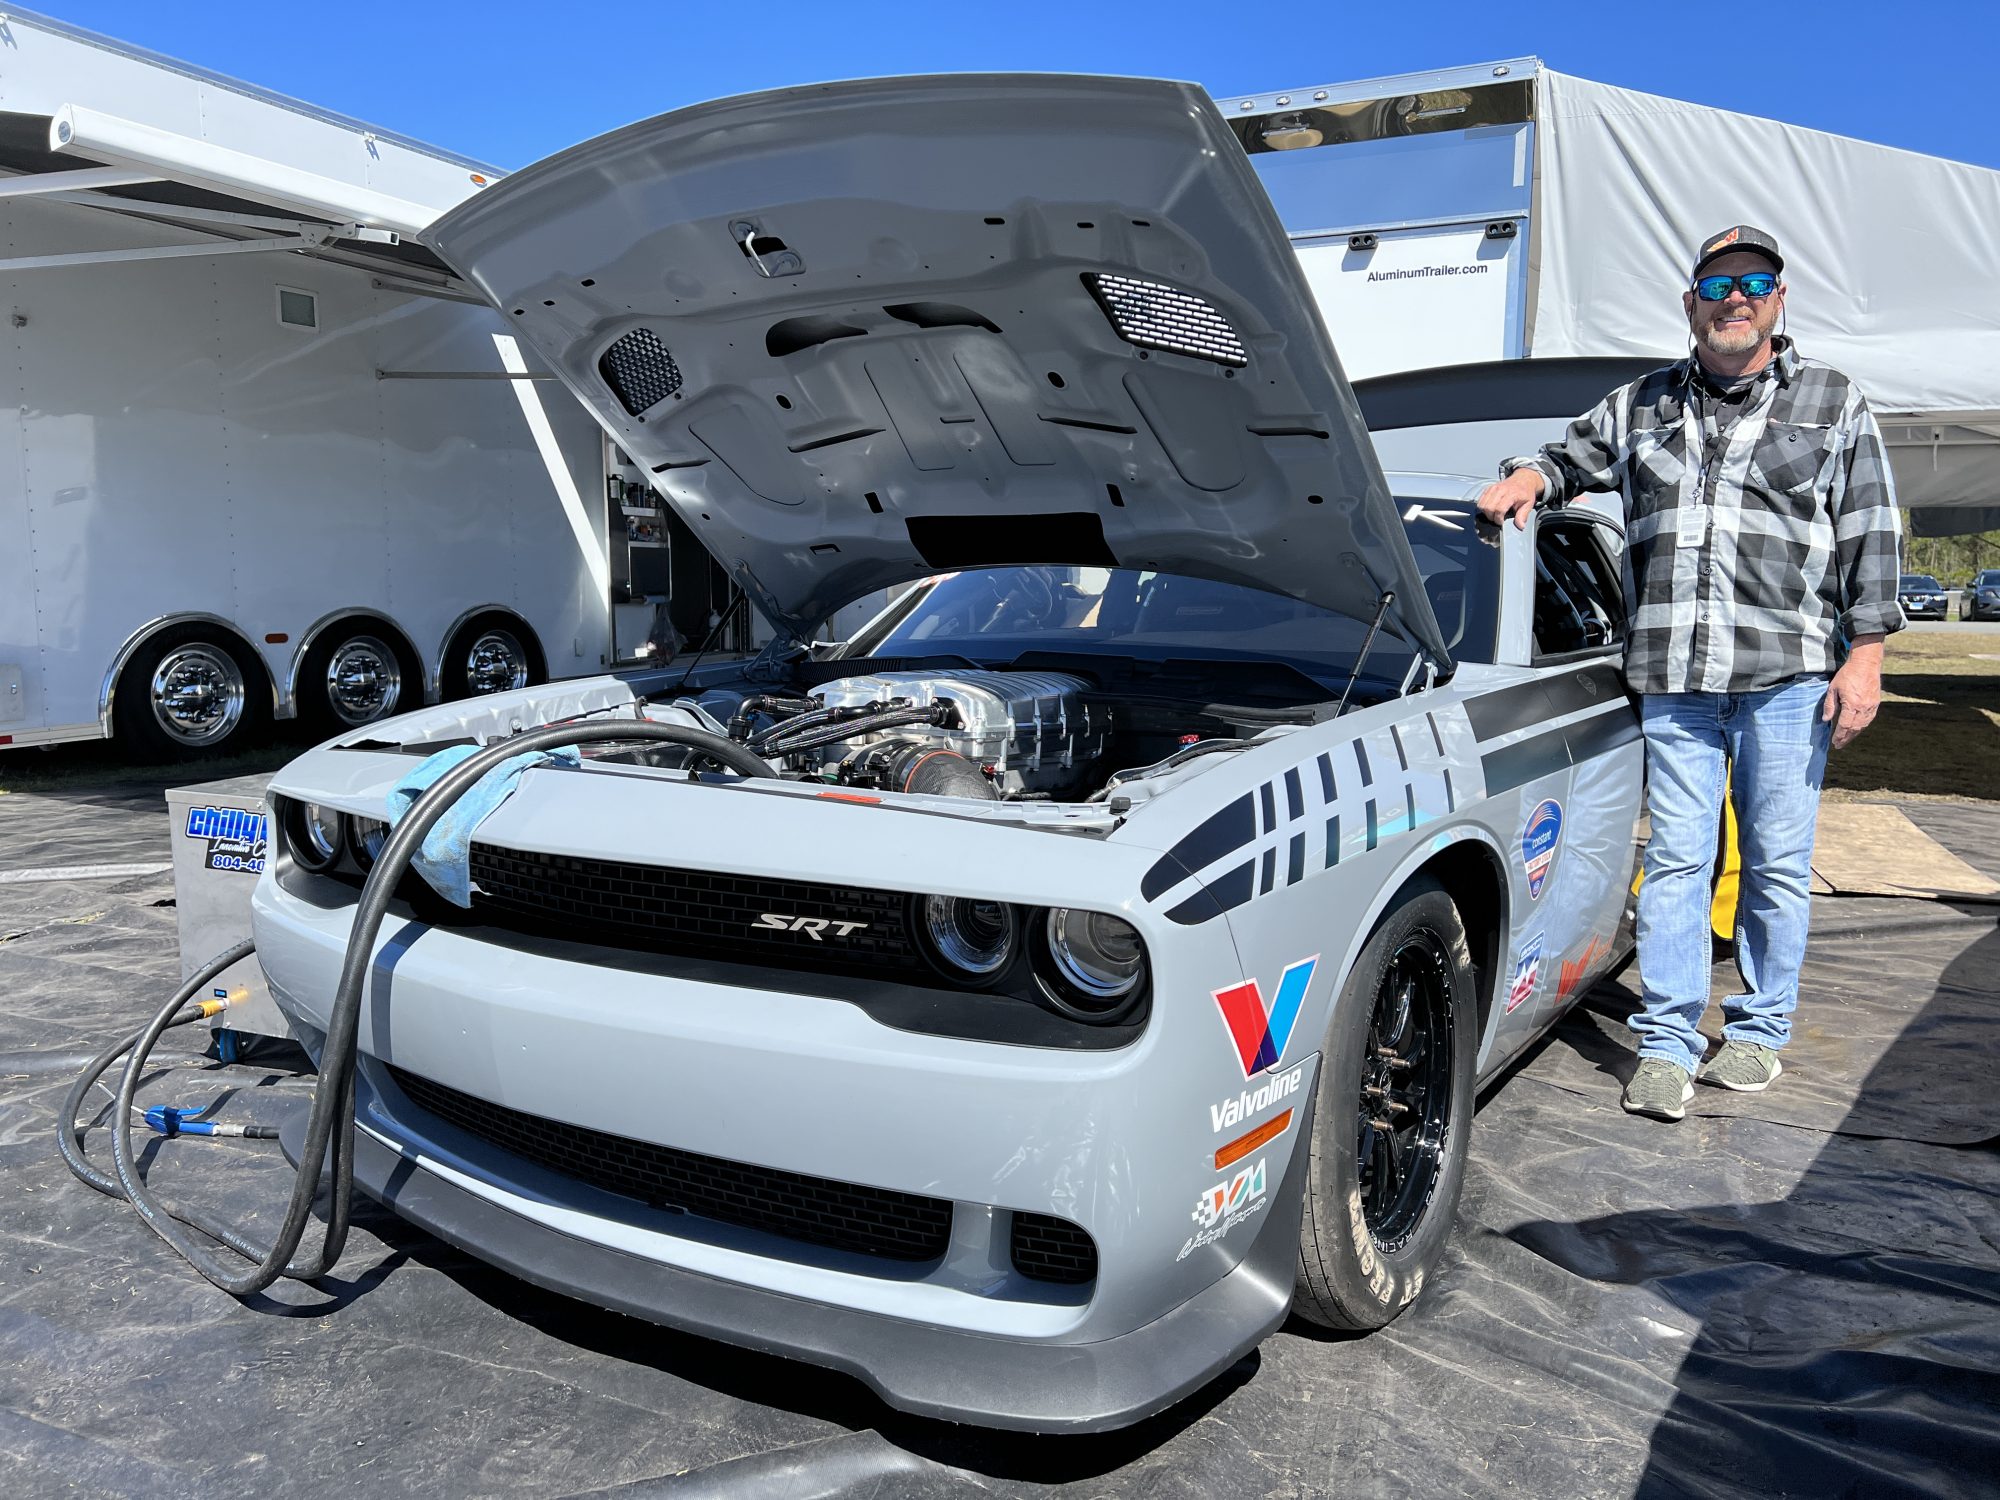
(1392, 1117)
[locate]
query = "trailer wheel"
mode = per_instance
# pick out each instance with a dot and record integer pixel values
(191, 690)
(353, 680)
(491, 654)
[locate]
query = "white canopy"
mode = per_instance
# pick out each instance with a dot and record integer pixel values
(1889, 255)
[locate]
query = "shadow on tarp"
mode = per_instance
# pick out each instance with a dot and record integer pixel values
(1825, 1368)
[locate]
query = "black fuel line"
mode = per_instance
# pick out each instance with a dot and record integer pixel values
(329, 1137)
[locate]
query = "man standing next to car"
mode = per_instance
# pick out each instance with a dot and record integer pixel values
(1762, 557)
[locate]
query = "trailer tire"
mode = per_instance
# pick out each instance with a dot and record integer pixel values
(191, 691)
(490, 653)
(362, 673)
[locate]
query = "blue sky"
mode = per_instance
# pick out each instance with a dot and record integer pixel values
(510, 82)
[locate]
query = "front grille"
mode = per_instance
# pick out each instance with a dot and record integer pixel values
(660, 909)
(816, 1210)
(1046, 1248)
(1156, 316)
(640, 370)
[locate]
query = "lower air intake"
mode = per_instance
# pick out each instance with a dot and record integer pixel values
(640, 371)
(817, 1210)
(1154, 315)
(1046, 1248)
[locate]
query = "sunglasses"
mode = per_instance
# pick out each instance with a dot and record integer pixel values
(1718, 288)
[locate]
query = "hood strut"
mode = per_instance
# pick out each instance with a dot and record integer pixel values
(1360, 657)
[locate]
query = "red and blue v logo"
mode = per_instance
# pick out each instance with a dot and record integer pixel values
(1260, 1033)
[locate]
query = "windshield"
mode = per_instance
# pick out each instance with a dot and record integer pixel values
(1920, 581)
(994, 615)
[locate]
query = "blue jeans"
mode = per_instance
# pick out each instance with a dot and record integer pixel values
(1777, 745)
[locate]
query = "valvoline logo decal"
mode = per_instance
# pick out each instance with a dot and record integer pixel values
(1539, 841)
(1260, 1031)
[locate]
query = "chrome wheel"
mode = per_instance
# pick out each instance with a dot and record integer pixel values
(197, 694)
(495, 662)
(364, 680)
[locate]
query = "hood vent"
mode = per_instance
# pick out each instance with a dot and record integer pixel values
(1156, 316)
(640, 371)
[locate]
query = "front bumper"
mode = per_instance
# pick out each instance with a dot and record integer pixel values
(927, 1370)
(734, 1064)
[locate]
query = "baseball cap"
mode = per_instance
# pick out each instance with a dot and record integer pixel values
(1737, 237)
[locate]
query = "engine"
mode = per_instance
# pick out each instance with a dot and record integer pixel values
(963, 734)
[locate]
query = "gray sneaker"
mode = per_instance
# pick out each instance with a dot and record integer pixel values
(1659, 1088)
(1743, 1066)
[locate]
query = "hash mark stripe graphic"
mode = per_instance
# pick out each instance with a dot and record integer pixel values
(1295, 797)
(1298, 860)
(1333, 841)
(1270, 807)
(1361, 760)
(1270, 870)
(1326, 777)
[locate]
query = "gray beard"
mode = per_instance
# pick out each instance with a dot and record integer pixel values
(1719, 342)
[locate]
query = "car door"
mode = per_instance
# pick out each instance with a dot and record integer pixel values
(1592, 843)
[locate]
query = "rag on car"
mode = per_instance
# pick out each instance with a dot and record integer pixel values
(445, 858)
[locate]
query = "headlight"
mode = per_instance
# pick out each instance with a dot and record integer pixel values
(971, 941)
(365, 838)
(313, 834)
(1095, 965)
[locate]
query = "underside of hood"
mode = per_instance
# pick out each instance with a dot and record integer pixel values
(862, 332)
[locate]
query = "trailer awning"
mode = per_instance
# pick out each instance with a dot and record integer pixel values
(1888, 254)
(96, 122)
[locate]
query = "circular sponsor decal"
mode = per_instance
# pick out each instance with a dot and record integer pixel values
(1539, 841)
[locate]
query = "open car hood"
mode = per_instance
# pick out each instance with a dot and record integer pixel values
(862, 332)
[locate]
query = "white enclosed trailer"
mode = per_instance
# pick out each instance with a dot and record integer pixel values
(1506, 211)
(263, 455)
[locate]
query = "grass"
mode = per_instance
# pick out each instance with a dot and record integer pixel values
(1937, 737)
(97, 765)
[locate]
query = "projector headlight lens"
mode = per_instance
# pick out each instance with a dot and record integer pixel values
(365, 837)
(313, 832)
(969, 940)
(1096, 954)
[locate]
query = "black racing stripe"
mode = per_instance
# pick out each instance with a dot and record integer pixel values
(1297, 872)
(1361, 760)
(1326, 777)
(1333, 841)
(1295, 796)
(1270, 807)
(1584, 687)
(1605, 732)
(1232, 890)
(1517, 765)
(1510, 708)
(1526, 704)
(1270, 871)
(1219, 834)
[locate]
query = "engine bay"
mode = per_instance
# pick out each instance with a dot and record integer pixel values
(979, 733)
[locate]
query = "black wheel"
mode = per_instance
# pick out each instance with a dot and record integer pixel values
(192, 690)
(491, 654)
(355, 678)
(1392, 1118)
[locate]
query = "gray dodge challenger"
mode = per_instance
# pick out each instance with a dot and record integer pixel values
(1104, 961)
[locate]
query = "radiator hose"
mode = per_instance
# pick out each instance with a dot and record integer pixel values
(329, 1135)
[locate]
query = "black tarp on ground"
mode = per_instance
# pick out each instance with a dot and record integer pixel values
(1794, 1294)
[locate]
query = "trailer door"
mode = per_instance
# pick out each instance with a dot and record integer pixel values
(1418, 298)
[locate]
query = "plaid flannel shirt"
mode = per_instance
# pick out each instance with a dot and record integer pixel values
(1801, 549)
